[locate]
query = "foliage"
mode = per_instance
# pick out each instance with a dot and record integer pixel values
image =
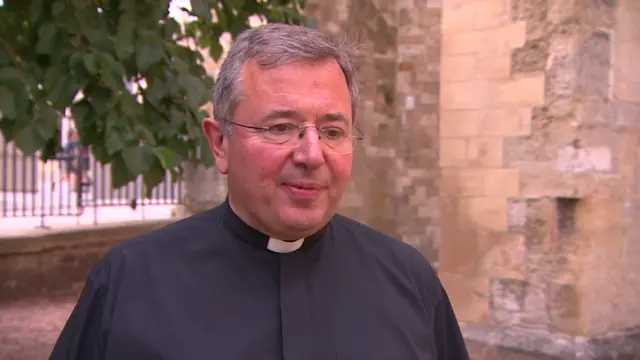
(79, 55)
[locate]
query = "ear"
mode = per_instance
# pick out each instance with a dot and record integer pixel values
(218, 142)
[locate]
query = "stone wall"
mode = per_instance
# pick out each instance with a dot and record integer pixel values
(58, 262)
(394, 187)
(539, 159)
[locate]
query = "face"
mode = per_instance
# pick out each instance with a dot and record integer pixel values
(286, 192)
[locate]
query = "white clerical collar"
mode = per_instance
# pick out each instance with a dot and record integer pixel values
(281, 246)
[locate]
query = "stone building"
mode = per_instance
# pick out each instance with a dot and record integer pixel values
(502, 141)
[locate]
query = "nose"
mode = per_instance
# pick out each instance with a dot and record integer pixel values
(309, 151)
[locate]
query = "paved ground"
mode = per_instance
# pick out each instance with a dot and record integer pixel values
(28, 328)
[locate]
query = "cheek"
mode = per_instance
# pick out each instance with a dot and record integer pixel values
(341, 167)
(263, 165)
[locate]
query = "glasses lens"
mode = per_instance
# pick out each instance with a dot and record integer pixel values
(280, 133)
(288, 135)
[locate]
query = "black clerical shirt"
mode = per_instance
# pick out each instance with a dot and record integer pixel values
(207, 287)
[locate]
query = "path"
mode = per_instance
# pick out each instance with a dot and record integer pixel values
(28, 328)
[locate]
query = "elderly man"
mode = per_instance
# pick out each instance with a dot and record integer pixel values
(273, 272)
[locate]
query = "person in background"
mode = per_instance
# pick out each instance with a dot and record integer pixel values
(76, 159)
(274, 272)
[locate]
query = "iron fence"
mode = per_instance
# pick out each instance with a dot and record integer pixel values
(73, 186)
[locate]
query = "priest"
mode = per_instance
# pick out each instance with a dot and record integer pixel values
(273, 272)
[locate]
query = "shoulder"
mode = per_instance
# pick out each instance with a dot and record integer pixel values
(395, 254)
(164, 244)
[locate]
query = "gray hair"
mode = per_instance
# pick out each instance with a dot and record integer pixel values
(270, 46)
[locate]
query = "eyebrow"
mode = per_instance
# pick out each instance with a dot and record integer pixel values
(294, 115)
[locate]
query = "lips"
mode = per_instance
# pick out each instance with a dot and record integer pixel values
(301, 189)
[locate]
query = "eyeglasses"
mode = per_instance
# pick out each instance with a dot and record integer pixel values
(337, 139)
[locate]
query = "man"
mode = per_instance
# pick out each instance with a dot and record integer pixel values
(273, 272)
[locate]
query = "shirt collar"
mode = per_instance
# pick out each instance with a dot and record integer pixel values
(249, 235)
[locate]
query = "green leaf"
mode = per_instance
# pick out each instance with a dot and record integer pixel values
(148, 54)
(35, 10)
(6, 126)
(153, 177)
(167, 157)
(7, 103)
(80, 112)
(21, 100)
(114, 139)
(47, 124)
(46, 36)
(180, 66)
(120, 173)
(64, 92)
(57, 9)
(215, 50)
(138, 158)
(145, 135)
(10, 76)
(90, 63)
(29, 140)
(52, 76)
(194, 88)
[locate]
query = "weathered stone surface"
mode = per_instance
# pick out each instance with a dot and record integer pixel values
(487, 342)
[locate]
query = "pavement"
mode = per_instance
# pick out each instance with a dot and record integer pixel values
(30, 327)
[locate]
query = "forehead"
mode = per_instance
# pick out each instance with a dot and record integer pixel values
(316, 87)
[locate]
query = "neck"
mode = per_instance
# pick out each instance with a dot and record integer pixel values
(256, 224)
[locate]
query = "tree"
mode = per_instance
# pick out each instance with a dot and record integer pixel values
(83, 55)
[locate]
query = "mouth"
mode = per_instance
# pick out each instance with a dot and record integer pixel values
(303, 189)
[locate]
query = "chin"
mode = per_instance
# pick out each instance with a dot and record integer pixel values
(304, 220)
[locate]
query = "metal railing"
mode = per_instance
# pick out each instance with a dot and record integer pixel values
(71, 190)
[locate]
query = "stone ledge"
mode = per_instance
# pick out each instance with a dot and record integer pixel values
(555, 346)
(54, 262)
(38, 242)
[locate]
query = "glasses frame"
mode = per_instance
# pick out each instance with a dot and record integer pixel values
(301, 129)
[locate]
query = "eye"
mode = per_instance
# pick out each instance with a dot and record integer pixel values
(333, 132)
(279, 129)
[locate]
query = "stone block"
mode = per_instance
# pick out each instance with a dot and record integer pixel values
(491, 14)
(485, 152)
(627, 66)
(627, 90)
(571, 159)
(508, 294)
(461, 123)
(544, 180)
(516, 215)
(466, 95)
(455, 68)
(506, 122)
(495, 40)
(501, 182)
(504, 256)
(458, 19)
(489, 213)
(462, 182)
(565, 308)
(453, 152)
(524, 91)
(494, 66)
